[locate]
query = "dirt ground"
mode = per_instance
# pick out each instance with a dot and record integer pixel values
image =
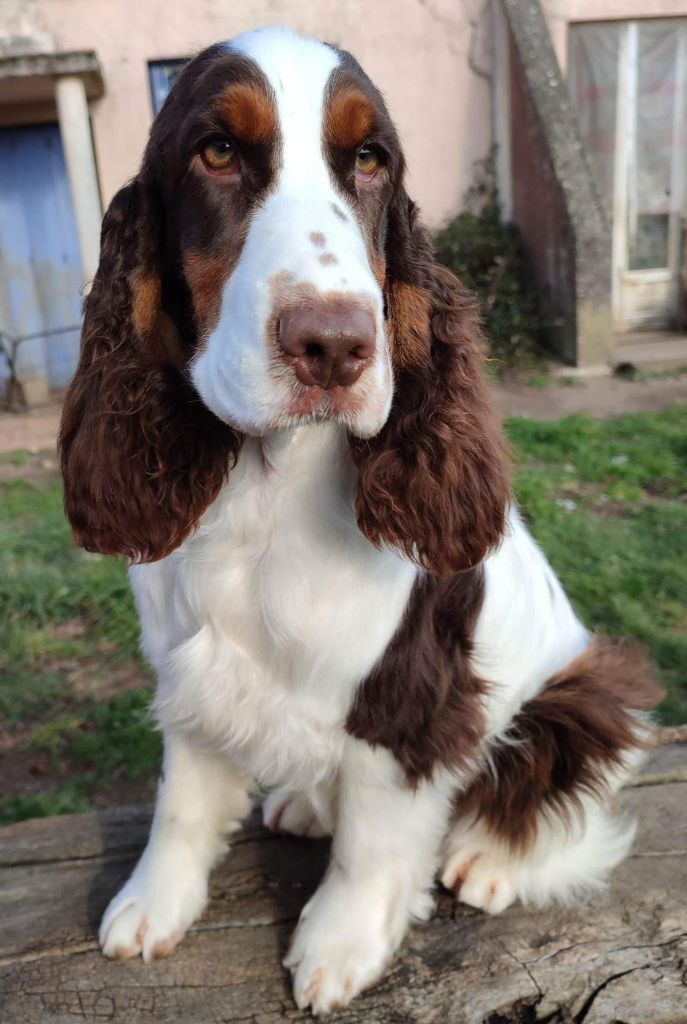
(599, 396)
(603, 396)
(35, 430)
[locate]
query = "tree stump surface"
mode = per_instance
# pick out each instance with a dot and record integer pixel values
(619, 959)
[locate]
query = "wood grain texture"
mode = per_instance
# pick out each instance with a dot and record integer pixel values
(621, 958)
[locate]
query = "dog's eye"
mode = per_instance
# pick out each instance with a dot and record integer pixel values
(367, 162)
(219, 155)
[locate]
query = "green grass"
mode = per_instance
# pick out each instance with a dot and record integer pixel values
(68, 629)
(606, 500)
(111, 743)
(46, 587)
(66, 798)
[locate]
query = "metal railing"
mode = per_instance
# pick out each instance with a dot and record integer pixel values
(11, 343)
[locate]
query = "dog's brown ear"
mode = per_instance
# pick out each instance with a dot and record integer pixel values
(142, 457)
(434, 482)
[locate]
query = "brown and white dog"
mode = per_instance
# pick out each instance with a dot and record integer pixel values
(279, 416)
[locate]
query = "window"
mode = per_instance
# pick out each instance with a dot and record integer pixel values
(161, 74)
(628, 82)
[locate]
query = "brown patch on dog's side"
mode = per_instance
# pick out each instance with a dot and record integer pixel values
(350, 118)
(206, 275)
(318, 239)
(434, 482)
(328, 259)
(422, 700)
(248, 112)
(564, 742)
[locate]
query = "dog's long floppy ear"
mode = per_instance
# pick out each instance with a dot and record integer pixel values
(142, 457)
(434, 482)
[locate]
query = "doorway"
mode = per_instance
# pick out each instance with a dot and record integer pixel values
(628, 83)
(40, 263)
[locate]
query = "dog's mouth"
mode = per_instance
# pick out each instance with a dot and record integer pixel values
(361, 408)
(313, 404)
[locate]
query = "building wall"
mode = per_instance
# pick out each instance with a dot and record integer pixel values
(421, 54)
(540, 212)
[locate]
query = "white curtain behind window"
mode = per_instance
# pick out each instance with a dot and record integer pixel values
(641, 65)
(593, 84)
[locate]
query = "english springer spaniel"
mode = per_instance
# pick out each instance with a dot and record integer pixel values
(280, 417)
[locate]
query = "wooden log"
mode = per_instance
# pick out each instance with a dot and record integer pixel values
(620, 958)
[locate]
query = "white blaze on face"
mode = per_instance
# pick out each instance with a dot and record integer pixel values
(295, 231)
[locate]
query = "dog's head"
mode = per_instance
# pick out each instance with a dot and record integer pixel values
(265, 269)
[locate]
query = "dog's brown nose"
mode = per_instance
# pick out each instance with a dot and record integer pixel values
(328, 346)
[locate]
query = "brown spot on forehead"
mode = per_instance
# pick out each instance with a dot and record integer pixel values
(350, 117)
(248, 112)
(318, 239)
(288, 292)
(328, 259)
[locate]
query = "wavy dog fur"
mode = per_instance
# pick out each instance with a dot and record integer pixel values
(565, 743)
(142, 457)
(434, 482)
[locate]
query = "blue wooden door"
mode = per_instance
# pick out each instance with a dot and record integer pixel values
(40, 263)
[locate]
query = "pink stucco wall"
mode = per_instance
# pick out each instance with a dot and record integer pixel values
(431, 58)
(420, 52)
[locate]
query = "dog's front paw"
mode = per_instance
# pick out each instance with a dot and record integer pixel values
(153, 911)
(344, 940)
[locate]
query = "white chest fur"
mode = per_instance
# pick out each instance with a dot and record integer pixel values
(262, 624)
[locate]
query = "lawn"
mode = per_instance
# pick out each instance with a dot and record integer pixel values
(605, 498)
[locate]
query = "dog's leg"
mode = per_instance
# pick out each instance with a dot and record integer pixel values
(200, 800)
(384, 855)
(541, 821)
(566, 860)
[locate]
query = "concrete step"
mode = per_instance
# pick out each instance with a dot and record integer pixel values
(658, 350)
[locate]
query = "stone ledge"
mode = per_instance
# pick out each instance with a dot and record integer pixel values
(45, 67)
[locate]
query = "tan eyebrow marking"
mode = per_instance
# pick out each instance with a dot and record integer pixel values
(409, 323)
(318, 239)
(248, 112)
(206, 274)
(328, 259)
(146, 301)
(350, 118)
